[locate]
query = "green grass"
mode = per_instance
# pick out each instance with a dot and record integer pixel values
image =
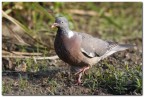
(6, 88)
(53, 85)
(23, 83)
(116, 81)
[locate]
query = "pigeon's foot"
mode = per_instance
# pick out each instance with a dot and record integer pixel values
(80, 73)
(85, 69)
(82, 70)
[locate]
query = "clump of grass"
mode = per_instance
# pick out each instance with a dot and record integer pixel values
(116, 81)
(6, 88)
(23, 83)
(53, 85)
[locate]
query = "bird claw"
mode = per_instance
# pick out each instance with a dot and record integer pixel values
(77, 73)
(82, 71)
(78, 82)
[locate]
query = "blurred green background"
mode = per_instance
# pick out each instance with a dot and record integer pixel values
(108, 20)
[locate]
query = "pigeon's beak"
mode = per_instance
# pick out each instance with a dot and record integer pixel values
(54, 25)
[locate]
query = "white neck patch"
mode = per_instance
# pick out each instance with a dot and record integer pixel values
(70, 34)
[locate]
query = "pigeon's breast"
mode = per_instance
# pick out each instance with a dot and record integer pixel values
(68, 49)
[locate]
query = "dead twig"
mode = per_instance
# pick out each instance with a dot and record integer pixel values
(11, 56)
(83, 12)
(21, 53)
(45, 58)
(32, 57)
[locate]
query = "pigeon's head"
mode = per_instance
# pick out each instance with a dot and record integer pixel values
(61, 22)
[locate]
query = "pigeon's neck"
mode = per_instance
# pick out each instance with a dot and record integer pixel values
(66, 32)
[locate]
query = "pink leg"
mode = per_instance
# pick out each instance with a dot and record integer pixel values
(80, 74)
(86, 68)
(79, 78)
(80, 70)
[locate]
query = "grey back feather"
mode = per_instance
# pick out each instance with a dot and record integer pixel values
(95, 47)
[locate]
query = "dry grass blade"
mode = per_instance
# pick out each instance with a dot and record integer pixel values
(16, 22)
(18, 37)
(25, 29)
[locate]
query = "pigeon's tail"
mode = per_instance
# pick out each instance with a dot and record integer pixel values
(112, 50)
(117, 48)
(122, 47)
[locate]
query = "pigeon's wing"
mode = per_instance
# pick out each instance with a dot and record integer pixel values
(95, 47)
(92, 46)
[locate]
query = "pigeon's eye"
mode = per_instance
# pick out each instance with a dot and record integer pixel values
(61, 22)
